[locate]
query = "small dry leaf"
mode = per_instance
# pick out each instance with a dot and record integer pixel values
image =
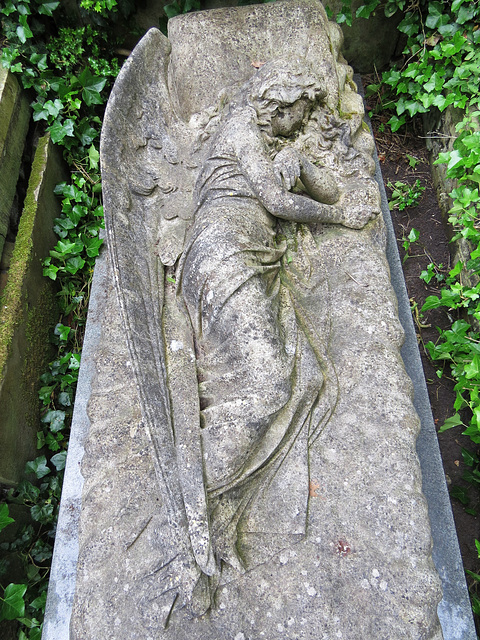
(312, 489)
(432, 40)
(257, 64)
(456, 463)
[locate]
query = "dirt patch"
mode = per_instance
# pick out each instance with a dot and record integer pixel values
(404, 158)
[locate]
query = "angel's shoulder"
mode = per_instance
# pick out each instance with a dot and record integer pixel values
(241, 130)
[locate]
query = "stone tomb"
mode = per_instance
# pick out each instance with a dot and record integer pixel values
(250, 467)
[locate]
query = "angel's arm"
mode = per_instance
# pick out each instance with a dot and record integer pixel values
(318, 182)
(260, 174)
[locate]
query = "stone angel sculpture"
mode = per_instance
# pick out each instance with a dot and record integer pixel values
(211, 230)
(250, 464)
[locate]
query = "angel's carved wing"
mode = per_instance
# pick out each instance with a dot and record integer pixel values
(147, 185)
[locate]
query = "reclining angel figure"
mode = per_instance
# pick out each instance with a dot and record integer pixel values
(260, 362)
(251, 295)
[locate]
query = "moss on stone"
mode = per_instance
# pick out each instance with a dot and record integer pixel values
(12, 299)
(39, 350)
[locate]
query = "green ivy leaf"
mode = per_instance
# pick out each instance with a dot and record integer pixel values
(460, 493)
(74, 264)
(40, 439)
(24, 32)
(92, 85)
(93, 246)
(435, 16)
(74, 362)
(59, 460)
(469, 458)
(414, 235)
(85, 133)
(50, 271)
(365, 10)
(42, 513)
(5, 519)
(38, 467)
(395, 122)
(62, 331)
(392, 6)
(23, 9)
(8, 9)
(47, 8)
(30, 623)
(13, 605)
(472, 370)
(28, 492)
(39, 603)
(40, 60)
(93, 157)
(56, 421)
(467, 12)
(9, 55)
(409, 25)
(172, 9)
(450, 423)
(64, 399)
(477, 544)
(58, 130)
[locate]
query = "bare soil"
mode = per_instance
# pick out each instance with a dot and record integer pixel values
(432, 247)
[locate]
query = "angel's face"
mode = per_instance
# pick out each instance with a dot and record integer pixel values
(289, 118)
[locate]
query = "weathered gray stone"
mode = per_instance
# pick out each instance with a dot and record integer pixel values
(250, 470)
(369, 44)
(28, 311)
(14, 120)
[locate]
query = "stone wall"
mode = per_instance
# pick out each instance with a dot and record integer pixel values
(14, 120)
(27, 313)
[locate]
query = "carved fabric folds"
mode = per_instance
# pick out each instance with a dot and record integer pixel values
(260, 364)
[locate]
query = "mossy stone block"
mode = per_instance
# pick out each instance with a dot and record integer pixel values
(28, 310)
(14, 121)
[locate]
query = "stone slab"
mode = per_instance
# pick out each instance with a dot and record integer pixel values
(367, 545)
(309, 497)
(14, 121)
(64, 563)
(28, 312)
(454, 610)
(252, 465)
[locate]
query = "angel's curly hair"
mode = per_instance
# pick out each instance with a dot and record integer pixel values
(281, 83)
(277, 83)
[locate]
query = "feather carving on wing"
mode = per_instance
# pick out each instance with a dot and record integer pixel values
(148, 181)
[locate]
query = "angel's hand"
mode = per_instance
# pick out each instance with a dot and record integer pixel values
(287, 167)
(357, 219)
(358, 207)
